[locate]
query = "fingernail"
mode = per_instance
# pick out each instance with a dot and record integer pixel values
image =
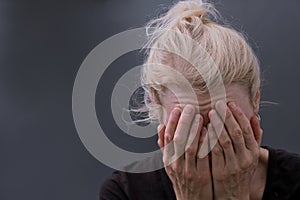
(211, 113)
(197, 119)
(188, 109)
(176, 112)
(159, 127)
(232, 105)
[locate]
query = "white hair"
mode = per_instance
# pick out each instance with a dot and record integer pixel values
(233, 57)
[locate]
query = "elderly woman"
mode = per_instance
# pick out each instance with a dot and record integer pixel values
(203, 82)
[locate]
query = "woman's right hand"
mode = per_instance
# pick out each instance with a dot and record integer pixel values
(181, 140)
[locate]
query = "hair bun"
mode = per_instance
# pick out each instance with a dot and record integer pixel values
(193, 12)
(187, 10)
(182, 16)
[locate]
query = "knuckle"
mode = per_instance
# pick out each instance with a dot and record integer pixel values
(178, 140)
(246, 163)
(248, 129)
(158, 142)
(233, 171)
(217, 151)
(228, 114)
(168, 170)
(239, 112)
(177, 168)
(191, 151)
(226, 143)
(237, 133)
(251, 142)
(172, 121)
(188, 175)
(167, 137)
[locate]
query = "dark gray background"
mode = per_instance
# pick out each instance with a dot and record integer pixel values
(42, 44)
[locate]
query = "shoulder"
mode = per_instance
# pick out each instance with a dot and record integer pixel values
(283, 179)
(129, 185)
(113, 187)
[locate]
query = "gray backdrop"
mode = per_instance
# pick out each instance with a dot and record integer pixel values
(42, 44)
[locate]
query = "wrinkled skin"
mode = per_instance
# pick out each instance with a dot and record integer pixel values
(213, 154)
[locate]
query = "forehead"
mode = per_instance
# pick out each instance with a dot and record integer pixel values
(234, 92)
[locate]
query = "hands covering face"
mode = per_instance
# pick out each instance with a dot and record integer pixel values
(213, 162)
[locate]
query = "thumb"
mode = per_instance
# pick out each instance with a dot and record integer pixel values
(161, 134)
(258, 132)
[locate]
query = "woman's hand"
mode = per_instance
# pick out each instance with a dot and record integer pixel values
(235, 151)
(181, 140)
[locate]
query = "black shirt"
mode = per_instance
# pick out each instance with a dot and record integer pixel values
(283, 181)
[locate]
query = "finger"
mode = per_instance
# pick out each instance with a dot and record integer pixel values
(195, 131)
(202, 158)
(217, 160)
(172, 124)
(168, 150)
(223, 140)
(161, 132)
(217, 157)
(255, 124)
(233, 128)
(183, 130)
(244, 123)
(212, 137)
(216, 123)
(191, 147)
(203, 149)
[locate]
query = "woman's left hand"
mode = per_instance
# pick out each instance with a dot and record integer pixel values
(235, 152)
